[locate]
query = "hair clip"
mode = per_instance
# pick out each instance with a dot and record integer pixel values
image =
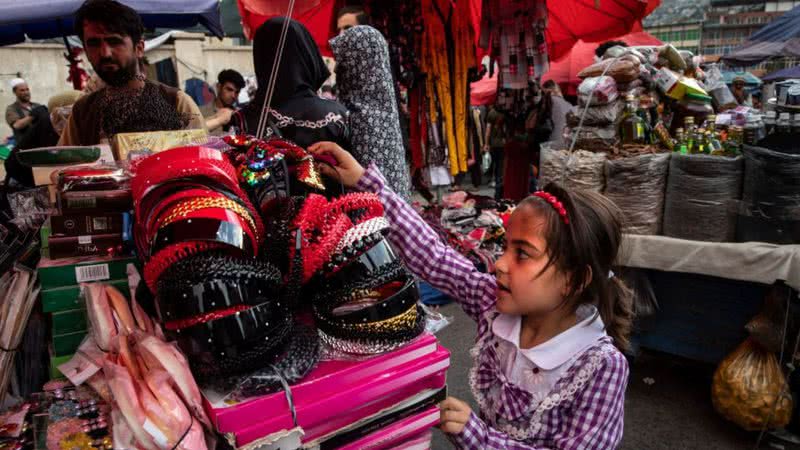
(553, 201)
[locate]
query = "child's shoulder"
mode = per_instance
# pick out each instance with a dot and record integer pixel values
(607, 360)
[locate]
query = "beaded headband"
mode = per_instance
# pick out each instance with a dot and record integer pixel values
(555, 203)
(324, 225)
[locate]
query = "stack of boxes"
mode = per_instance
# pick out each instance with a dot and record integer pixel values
(86, 241)
(388, 401)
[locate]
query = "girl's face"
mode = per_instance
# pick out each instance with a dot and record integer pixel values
(522, 288)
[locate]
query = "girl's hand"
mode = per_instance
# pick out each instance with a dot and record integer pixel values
(347, 169)
(454, 415)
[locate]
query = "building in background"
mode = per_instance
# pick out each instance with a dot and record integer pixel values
(713, 28)
(678, 22)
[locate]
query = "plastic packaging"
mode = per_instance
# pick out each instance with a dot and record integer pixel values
(30, 208)
(605, 91)
(750, 389)
(766, 328)
(622, 70)
(701, 198)
(670, 57)
(91, 178)
(770, 209)
(719, 91)
(595, 139)
(598, 115)
(577, 170)
(636, 185)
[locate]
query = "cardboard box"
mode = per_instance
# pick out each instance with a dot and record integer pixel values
(87, 224)
(68, 298)
(54, 273)
(154, 141)
(67, 344)
(65, 322)
(337, 394)
(89, 245)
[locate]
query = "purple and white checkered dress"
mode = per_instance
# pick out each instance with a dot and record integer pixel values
(585, 408)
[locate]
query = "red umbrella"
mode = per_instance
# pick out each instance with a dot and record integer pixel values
(569, 21)
(483, 91)
(565, 70)
(316, 15)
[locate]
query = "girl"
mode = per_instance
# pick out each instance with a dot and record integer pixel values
(547, 374)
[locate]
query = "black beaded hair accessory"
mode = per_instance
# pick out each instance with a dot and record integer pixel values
(211, 281)
(368, 345)
(302, 354)
(253, 355)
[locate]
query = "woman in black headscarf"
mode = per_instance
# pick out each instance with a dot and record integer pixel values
(296, 111)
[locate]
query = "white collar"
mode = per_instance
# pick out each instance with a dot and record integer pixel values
(560, 348)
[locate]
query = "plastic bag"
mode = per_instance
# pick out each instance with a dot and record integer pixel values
(747, 384)
(636, 185)
(770, 209)
(623, 70)
(576, 170)
(596, 139)
(719, 91)
(597, 115)
(605, 91)
(766, 328)
(702, 194)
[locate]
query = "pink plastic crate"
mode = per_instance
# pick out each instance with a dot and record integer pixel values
(412, 433)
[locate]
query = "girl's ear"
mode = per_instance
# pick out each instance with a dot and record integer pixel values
(568, 282)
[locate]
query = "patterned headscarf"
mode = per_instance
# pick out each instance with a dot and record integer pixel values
(364, 80)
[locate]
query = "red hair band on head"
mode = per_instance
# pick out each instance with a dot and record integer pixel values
(555, 203)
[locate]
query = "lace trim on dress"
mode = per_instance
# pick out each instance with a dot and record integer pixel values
(564, 391)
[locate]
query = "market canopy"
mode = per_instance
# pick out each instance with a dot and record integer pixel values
(565, 70)
(779, 38)
(783, 74)
(571, 21)
(316, 15)
(47, 19)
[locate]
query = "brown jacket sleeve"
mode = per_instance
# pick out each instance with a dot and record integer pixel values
(185, 105)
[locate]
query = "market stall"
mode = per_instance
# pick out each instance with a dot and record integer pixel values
(709, 192)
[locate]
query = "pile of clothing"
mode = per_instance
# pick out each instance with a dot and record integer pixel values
(472, 224)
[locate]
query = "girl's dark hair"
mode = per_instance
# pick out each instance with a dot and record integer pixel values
(116, 17)
(586, 249)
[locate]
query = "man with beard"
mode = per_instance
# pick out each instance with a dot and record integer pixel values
(112, 39)
(18, 114)
(218, 114)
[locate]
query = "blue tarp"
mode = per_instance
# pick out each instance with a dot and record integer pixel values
(779, 38)
(47, 19)
(783, 74)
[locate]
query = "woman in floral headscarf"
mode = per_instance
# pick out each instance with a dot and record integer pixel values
(364, 81)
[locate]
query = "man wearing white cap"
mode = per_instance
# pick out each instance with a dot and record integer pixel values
(18, 114)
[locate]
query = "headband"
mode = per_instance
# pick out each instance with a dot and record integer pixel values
(555, 203)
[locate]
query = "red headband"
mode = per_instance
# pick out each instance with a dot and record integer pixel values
(323, 225)
(555, 203)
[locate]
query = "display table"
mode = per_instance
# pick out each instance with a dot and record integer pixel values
(706, 292)
(755, 262)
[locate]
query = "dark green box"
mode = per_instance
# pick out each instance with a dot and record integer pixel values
(67, 344)
(68, 272)
(66, 322)
(56, 361)
(69, 297)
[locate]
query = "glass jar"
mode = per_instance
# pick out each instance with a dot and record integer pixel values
(784, 125)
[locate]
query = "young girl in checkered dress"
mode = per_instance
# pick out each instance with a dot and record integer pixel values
(548, 371)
